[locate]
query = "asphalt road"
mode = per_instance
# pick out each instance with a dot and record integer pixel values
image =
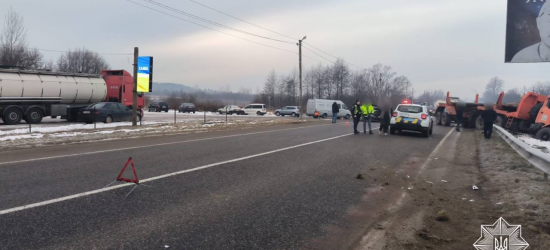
(276, 187)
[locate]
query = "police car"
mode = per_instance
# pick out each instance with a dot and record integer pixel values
(411, 117)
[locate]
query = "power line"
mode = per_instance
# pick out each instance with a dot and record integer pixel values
(318, 54)
(219, 11)
(64, 51)
(273, 47)
(240, 19)
(212, 22)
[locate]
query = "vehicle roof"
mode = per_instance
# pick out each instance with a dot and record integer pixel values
(417, 105)
(256, 104)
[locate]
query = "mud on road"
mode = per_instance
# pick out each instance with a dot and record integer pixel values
(438, 209)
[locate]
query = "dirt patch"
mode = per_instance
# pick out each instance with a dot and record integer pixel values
(443, 211)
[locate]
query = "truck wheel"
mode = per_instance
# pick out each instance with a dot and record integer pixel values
(34, 116)
(438, 118)
(479, 123)
(109, 119)
(446, 119)
(12, 116)
(325, 116)
(500, 121)
(543, 134)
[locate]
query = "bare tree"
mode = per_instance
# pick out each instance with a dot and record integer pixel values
(81, 61)
(512, 96)
(493, 89)
(542, 88)
(341, 77)
(13, 44)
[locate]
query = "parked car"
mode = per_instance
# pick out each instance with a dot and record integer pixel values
(231, 109)
(106, 112)
(158, 107)
(412, 117)
(323, 108)
(293, 111)
(187, 107)
(255, 108)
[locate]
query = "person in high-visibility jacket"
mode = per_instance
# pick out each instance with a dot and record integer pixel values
(367, 110)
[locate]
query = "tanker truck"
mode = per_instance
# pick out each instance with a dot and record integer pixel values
(32, 95)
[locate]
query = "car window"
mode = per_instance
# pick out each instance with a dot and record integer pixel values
(248, 107)
(257, 106)
(112, 107)
(121, 106)
(97, 106)
(410, 109)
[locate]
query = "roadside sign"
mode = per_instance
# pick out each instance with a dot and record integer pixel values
(528, 31)
(145, 74)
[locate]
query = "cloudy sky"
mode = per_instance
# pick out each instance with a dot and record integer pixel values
(438, 44)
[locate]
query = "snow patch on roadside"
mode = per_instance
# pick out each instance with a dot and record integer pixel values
(536, 143)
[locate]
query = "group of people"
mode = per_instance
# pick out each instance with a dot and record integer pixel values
(366, 112)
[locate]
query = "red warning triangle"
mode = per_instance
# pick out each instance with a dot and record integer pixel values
(120, 178)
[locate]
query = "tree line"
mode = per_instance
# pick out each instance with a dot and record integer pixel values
(376, 84)
(496, 85)
(15, 52)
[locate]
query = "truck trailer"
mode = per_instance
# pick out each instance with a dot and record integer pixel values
(31, 95)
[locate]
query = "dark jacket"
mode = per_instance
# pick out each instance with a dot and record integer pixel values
(355, 110)
(386, 116)
(459, 114)
(489, 116)
(335, 108)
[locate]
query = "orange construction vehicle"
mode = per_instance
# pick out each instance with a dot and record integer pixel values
(445, 113)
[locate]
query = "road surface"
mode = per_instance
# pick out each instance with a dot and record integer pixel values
(275, 187)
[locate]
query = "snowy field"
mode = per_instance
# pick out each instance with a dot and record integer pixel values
(57, 130)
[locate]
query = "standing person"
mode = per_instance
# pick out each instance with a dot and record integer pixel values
(368, 110)
(489, 116)
(356, 113)
(385, 121)
(335, 111)
(459, 114)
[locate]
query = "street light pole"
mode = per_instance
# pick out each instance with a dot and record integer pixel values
(135, 95)
(300, 55)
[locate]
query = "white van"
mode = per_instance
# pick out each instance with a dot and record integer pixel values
(323, 108)
(255, 108)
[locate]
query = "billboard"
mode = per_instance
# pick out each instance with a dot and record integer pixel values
(145, 74)
(528, 31)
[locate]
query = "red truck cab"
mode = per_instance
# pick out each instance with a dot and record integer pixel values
(120, 86)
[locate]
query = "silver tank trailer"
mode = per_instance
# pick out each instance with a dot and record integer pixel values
(50, 87)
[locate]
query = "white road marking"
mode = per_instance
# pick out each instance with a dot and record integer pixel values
(154, 145)
(436, 149)
(70, 197)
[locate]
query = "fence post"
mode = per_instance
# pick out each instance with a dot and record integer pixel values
(226, 115)
(94, 118)
(204, 116)
(174, 116)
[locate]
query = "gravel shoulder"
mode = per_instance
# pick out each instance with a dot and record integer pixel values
(440, 210)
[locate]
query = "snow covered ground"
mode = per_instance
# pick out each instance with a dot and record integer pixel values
(535, 143)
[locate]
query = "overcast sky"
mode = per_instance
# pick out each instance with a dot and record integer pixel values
(438, 44)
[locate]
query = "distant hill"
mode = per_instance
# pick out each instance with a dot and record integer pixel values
(163, 90)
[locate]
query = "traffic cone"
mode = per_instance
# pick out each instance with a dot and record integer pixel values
(347, 124)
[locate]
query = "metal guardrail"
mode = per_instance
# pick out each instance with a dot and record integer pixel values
(534, 156)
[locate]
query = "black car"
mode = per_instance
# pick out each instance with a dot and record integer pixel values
(105, 112)
(158, 107)
(187, 107)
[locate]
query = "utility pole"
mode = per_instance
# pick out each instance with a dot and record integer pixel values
(135, 96)
(300, 99)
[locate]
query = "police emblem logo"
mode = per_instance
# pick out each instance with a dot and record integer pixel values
(501, 236)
